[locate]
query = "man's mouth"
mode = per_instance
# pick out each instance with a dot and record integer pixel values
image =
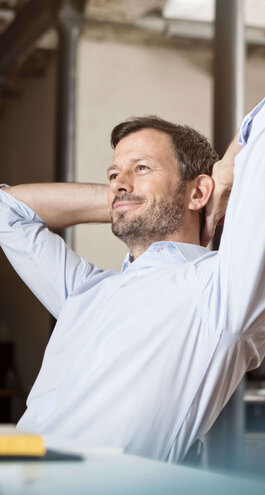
(126, 203)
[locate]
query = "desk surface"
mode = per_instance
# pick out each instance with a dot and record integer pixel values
(121, 474)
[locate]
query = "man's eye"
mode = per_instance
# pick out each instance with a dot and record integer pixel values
(142, 168)
(113, 176)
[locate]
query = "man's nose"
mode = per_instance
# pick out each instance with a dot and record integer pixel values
(123, 183)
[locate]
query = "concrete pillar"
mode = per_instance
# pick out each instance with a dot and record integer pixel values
(69, 22)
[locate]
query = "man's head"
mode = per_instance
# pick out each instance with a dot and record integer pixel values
(159, 175)
(193, 152)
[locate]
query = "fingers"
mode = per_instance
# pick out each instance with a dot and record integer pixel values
(221, 221)
(207, 232)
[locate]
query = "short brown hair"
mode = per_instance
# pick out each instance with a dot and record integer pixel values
(193, 151)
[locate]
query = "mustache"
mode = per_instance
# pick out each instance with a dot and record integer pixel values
(128, 197)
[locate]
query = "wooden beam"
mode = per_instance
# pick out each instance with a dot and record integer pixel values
(31, 21)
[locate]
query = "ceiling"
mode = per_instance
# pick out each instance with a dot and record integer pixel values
(204, 11)
(177, 19)
(128, 11)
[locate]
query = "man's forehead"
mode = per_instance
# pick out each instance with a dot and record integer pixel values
(146, 143)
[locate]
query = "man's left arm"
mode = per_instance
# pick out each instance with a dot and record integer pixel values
(237, 305)
(223, 176)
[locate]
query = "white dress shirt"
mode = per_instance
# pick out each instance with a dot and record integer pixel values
(146, 358)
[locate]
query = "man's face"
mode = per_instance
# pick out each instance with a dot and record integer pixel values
(146, 197)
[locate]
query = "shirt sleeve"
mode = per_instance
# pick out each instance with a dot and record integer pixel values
(234, 280)
(246, 125)
(41, 258)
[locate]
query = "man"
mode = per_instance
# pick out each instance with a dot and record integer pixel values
(146, 359)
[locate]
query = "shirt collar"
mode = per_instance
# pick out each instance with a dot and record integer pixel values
(165, 252)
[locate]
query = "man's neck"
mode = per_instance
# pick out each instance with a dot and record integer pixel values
(185, 237)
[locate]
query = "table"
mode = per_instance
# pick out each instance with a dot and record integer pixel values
(118, 475)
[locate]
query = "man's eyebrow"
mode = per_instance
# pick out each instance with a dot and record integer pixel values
(112, 167)
(133, 160)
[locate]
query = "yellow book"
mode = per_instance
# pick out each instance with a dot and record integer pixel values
(14, 443)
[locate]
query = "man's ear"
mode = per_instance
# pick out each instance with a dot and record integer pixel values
(201, 190)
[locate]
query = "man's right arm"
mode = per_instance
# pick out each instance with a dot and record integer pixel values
(61, 205)
(41, 258)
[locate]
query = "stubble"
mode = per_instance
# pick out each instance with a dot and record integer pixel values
(155, 223)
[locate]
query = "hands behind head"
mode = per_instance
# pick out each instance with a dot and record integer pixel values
(216, 207)
(223, 176)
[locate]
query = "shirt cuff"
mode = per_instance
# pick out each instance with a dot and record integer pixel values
(18, 207)
(246, 124)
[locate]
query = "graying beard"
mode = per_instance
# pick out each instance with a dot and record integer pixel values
(164, 219)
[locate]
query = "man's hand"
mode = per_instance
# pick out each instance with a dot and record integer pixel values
(216, 206)
(223, 175)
